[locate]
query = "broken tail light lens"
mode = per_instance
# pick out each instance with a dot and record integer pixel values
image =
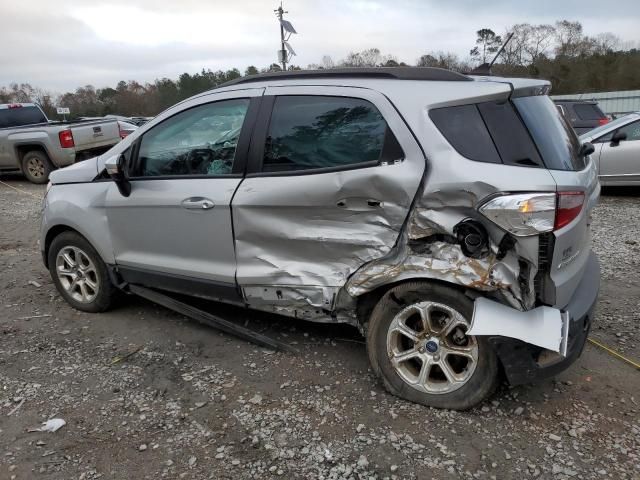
(569, 207)
(66, 139)
(522, 214)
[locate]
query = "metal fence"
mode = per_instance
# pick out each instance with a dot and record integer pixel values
(611, 103)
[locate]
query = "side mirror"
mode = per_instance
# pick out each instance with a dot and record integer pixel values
(115, 167)
(617, 138)
(586, 149)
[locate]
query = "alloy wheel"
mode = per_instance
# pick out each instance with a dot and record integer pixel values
(77, 274)
(428, 347)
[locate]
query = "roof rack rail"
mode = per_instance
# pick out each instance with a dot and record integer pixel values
(398, 73)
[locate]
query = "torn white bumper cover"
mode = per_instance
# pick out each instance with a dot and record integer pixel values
(546, 327)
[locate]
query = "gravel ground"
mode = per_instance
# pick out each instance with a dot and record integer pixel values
(193, 403)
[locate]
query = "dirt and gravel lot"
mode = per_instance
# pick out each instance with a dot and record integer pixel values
(193, 403)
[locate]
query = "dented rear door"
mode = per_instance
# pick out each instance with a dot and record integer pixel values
(332, 175)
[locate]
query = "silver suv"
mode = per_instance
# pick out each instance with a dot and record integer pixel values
(445, 216)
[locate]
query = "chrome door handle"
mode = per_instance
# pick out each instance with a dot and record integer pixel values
(197, 203)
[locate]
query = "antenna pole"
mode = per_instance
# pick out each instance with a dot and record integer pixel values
(283, 52)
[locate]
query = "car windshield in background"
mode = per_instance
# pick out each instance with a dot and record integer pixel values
(554, 137)
(609, 127)
(16, 117)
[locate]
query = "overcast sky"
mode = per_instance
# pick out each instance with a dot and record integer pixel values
(61, 44)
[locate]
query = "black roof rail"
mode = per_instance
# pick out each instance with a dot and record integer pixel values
(398, 73)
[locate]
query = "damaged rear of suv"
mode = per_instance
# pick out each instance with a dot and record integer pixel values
(445, 216)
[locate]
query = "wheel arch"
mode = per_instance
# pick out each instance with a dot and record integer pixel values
(366, 302)
(58, 229)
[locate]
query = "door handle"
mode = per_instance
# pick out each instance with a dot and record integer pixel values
(359, 204)
(197, 203)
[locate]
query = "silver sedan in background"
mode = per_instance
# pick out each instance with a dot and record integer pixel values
(617, 150)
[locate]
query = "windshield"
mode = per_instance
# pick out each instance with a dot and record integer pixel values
(614, 124)
(555, 138)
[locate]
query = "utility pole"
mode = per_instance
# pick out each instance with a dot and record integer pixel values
(286, 30)
(283, 53)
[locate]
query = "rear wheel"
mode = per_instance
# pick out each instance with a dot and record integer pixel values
(418, 346)
(79, 273)
(36, 166)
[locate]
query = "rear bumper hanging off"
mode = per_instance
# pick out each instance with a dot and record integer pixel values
(544, 341)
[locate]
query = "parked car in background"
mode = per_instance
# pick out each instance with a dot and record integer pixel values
(446, 217)
(582, 114)
(617, 150)
(31, 143)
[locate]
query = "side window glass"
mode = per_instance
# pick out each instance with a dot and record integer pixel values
(632, 130)
(198, 141)
(509, 134)
(465, 130)
(311, 132)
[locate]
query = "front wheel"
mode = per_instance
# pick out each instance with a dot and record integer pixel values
(79, 273)
(418, 346)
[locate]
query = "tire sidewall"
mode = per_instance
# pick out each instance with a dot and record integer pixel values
(482, 382)
(105, 290)
(45, 162)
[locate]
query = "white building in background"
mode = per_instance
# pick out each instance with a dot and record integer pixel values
(615, 104)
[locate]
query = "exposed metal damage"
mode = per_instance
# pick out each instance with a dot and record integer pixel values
(447, 239)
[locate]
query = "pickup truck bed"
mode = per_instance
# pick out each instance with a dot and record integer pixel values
(32, 144)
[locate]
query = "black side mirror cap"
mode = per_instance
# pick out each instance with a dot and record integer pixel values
(618, 137)
(587, 148)
(117, 171)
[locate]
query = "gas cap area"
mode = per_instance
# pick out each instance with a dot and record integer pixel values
(472, 238)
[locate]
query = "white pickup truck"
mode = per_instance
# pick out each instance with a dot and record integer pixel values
(31, 143)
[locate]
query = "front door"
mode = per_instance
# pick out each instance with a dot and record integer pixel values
(331, 177)
(620, 163)
(174, 231)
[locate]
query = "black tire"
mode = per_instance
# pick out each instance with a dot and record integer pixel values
(482, 381)
(36, 166)
(102, 297)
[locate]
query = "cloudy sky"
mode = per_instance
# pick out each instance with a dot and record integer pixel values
(59, 45)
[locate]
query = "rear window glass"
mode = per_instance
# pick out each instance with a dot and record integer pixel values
(509, 134)
(588, 111)
(314, 132)
(487, 132)
(16, 117)
(465, 130)
(553, 135)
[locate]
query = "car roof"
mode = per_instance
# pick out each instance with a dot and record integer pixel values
(7, 105)
(392, 73)
(570, 100)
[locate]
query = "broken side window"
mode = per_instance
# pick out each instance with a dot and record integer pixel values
(199, 141)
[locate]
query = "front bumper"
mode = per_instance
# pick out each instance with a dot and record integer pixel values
(524, 363)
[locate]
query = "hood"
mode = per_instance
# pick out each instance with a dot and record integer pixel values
(80, 172)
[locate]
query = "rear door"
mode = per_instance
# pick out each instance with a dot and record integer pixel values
(174, 231)
(332, 174)
(620, 162)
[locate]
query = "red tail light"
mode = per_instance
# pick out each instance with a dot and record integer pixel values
(15, 105)
(123, 133)
(568, 207)
(66, 139)
(603, 121)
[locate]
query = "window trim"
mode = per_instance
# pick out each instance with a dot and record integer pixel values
(261, 130)
(242, 148)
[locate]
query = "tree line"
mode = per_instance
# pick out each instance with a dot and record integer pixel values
(562, 53)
